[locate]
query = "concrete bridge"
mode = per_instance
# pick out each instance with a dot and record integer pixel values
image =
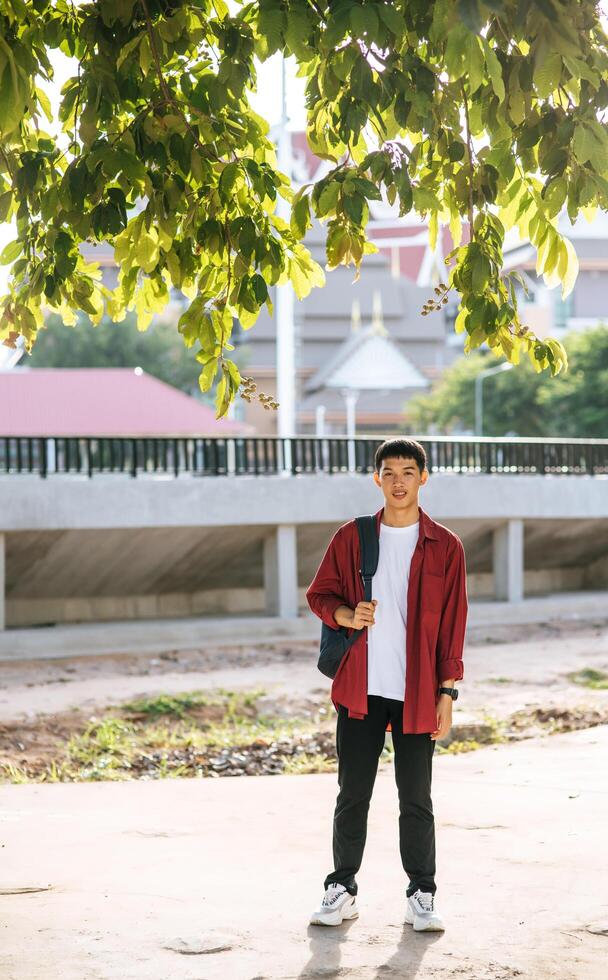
(243, 534)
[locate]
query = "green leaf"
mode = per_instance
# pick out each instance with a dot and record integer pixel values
(328, 199)
(475, 63)
(353, 205)
(580, 69)
(13, 94)
(455, 51)
(337, 244)
(235, 374)
(260, 289)
(145, 55)
(300, 279)
(433, 230)
(590, 145)
(425, 200)
(392, 17)
(553, 256)
(300, 216)
(547, 75)
(480, 273)
(128, 49)
(223, 393)
(207, 375)
(459, 322)
(363, 21)
(147, 250)
(469, 12)
(88, 124)
(455, 227)
(45, 103)
(6, 200)
(570, 268)
(494, 70)
(228, 180)
(271, 24)
(11, 252)
(544, 240)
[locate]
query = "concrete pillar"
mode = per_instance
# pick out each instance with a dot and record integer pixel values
(2, 581)
(508, 557)
(281, 572)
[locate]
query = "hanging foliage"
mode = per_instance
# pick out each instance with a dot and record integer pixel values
(487, 114)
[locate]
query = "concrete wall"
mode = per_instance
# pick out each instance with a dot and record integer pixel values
(237, 601)
(116, 548)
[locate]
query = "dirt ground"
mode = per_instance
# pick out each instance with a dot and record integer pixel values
(525, 680)
(529, 656)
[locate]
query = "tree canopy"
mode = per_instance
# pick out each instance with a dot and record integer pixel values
(571, 406)
(482, 113)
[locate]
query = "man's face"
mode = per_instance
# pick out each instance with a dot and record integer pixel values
(399, 479)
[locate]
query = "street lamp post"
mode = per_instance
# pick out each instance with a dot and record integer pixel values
(505, 366)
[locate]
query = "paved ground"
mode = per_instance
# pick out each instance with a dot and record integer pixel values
(135, 868)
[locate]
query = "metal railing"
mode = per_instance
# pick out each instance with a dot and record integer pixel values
(268, 456)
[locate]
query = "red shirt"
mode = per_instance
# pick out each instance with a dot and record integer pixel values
(437, 608)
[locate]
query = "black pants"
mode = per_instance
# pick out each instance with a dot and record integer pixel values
(359, 742)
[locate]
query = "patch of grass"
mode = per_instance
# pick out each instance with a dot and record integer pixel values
(498, 729)
(456, 747)
(14, 774)
(103, 750)
(165, 704)
(494, 735)
(499, 680)
(597, 680)
(190, 734)
(180, 705)
(303, 763)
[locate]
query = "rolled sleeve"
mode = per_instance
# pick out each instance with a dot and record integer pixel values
(324, 593)
(453, 623)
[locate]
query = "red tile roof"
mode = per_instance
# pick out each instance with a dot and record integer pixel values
(102, 401)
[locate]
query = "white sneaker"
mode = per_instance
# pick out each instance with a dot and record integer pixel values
(421, 912)
(337, 904)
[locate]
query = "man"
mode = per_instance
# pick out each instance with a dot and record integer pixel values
(398, 676)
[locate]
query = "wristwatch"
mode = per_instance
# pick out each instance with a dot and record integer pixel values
(449, 690)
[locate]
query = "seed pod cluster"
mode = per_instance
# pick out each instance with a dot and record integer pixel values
(436, 302)
(249, 387)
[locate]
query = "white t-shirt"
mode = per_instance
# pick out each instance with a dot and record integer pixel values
(386, 638)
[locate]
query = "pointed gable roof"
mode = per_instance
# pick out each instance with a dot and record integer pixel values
(367, 360)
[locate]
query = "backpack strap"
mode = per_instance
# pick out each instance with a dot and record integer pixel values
(370, 551)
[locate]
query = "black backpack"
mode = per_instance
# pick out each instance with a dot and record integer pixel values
(335, 642)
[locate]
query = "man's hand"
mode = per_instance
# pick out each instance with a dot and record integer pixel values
(444, 717)
(362, 615)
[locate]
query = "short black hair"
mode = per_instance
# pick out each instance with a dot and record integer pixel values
(409, 448)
